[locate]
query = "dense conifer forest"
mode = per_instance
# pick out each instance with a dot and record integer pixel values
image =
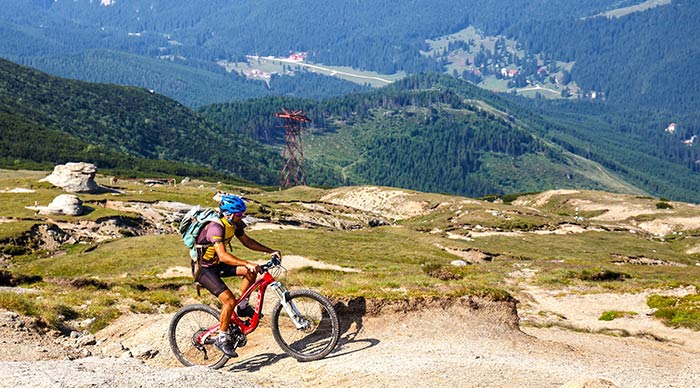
(434, 133)
(639, 59)
(640, 66)
(132, 123)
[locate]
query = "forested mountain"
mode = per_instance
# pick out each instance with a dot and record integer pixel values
(644, 59)
(43, 36)
(435, 133)
(640, 59)
(429, 132)
(28, 145)
(49, 119)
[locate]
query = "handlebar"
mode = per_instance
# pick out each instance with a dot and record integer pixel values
(274, 261)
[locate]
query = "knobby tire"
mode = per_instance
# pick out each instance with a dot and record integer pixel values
(186, 323)
(315, 342)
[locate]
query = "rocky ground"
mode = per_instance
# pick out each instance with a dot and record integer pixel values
(553, 340)
(466, 344)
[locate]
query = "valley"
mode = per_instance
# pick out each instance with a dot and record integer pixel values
(500, 194)
(263, 67)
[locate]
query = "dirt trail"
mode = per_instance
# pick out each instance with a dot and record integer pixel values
(470, 343)
(449, 348)
(454, 346)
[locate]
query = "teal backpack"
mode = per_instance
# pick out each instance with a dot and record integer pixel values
(191, 225)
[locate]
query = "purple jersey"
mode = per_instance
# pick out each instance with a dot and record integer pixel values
(215, 232)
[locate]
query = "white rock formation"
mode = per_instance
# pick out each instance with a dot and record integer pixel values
(74, 177)
(64, 204)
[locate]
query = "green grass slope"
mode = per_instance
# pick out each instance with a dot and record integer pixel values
(562, 240)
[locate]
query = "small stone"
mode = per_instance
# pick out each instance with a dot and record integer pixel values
(86, 323)
(8, 316)
(143, 352)
(86, 340)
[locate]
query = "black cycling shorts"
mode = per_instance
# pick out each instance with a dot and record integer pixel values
(210, 277)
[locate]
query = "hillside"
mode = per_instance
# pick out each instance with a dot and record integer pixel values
(461, 139)
(113, 125)
(177, 48)
(544, 290)
(633, 143)
(631, 60)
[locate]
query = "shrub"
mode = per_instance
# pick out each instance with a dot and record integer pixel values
(13, 250)
(11, 280)
(663, 205)
(508, 198)
(430, 267)
(444, 274)
(614, 314)
(677, 311)
(603, 276)
(518, 224)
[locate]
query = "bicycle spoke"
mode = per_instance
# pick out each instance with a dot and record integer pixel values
(186, 326)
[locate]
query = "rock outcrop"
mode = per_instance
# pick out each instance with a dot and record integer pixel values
(64, 204)
(74, 177)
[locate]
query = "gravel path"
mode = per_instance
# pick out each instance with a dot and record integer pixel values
(433, 347)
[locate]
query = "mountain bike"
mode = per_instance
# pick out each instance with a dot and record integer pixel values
(304, 324)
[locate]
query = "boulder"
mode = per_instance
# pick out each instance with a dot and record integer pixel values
(74, 177)
(64, 204)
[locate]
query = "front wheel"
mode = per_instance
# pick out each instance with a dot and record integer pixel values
(319, 332)
(185, 328)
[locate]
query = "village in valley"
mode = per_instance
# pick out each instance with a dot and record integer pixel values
(492, 62)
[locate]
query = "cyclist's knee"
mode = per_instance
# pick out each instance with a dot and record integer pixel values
(227, 298)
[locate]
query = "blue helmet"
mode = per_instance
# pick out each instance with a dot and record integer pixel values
(230, 204)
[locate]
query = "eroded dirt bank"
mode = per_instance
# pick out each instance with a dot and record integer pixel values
(466, 343)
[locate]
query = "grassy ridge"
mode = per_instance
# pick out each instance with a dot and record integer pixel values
(409, 258)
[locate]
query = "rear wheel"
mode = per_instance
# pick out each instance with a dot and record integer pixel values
(185, 327)
(320, 332)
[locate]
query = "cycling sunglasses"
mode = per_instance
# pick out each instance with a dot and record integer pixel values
(236, 214)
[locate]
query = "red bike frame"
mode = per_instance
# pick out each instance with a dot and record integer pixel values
(247, 326)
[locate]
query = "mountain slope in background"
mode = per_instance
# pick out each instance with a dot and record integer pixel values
(126, 120)
(429, 132)
(642, 58)
(435, 133)
(454, 145)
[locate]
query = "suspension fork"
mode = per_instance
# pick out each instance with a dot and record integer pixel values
(289, 307)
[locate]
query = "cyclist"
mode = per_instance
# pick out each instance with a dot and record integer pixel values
(217, 262)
